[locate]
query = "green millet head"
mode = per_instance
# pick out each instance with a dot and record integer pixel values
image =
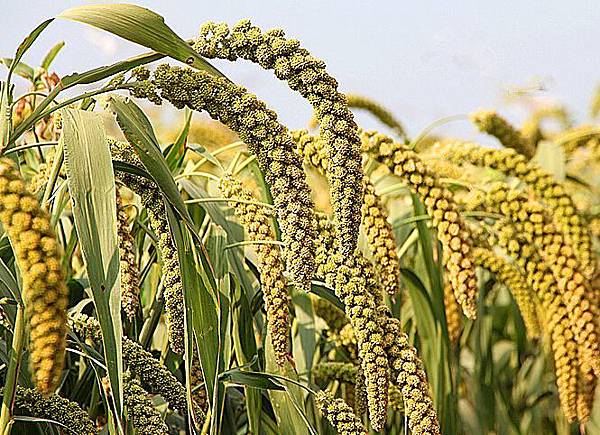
(38, 256)
(140, 410)
(346, 276)
(153, 201)
(308, 76)
(270, 141)
(375, 224)
(378, 111)
(511, 277)
(130, 274)
(257, 222)
(548, 190)
(154, 376)
(55, 408)
(339, 414)
(452, 231)
(409, 375)
(493, 124)
(335, 371)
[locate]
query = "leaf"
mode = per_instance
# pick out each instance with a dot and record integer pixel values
(92, 188)
(51, 55)
(139, 132)
(251, 379)
(21, 69)
(177, 151)
(28, 42)
(325, 292)
(200, 305)
(142, 26)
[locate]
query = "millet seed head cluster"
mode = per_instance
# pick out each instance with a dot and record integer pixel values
(375, 223)
(548, 190)
(345, 276)
(257, 223)
(152, 200)
(266, 138)
(130, 274)
(140, 410)
(339, 414)
(38, 256)
(452, 232)
(308, 76)
(54, 407)
(530, 220)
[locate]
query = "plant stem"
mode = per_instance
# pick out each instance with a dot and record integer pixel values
(13, 370)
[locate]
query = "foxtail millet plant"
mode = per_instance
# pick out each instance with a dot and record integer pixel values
(308, 76)
(257, 222)
(266, 138)
(530, 220)
(555, 318)
(38, 256)
(345, 275)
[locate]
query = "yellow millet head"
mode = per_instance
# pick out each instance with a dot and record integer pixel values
(381, 240)
(308, 76)
(339, 414)
(586, 392)
(257, 222)
(270, 141)
(410, 377)
(54, 407)
(557, 320)
(452, 231)
(346, 276)
(488, 121)
(130, 274)
(334, 317)
(140, 410)
(453, 314)
(38, 255)
(551, 192)
(530, 219)
(510, 276)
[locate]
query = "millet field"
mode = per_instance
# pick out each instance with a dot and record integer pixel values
(218, 273)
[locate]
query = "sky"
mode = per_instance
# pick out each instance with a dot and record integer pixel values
(424, 60)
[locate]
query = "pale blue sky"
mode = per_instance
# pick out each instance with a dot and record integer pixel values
(425, 60)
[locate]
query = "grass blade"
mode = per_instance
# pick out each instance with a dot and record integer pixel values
(92, 189)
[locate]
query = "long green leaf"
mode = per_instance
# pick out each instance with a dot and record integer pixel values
(139, 25)
(28, 42)
(139, 132)
(92, 189)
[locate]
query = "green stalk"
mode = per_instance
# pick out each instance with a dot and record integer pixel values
(13, 370)
(58, 161)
